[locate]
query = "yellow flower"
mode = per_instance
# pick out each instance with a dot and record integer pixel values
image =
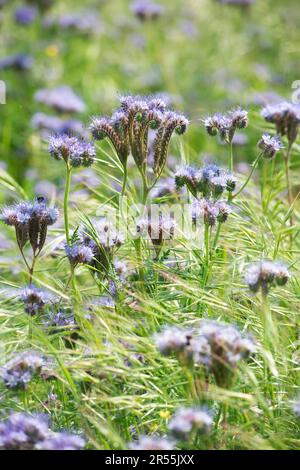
(164, 414)
(51, 51)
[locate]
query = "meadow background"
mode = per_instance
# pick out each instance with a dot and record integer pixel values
(113, 385)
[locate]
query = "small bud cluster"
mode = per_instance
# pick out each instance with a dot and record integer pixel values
(226, 124)
(128, 130)
(286, 117)
(210, 212)
(23, 431)
(20, 370)
(31, 221)
(73, 150)
(265, 274)
(210, 181)
(218, 347)
(35, 300)
(190, 420)
(270, 146)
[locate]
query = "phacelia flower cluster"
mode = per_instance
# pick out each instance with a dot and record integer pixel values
(265, 274)
(210, 181)
(216, 346)
(160, 229)
(209, 212)
(73, 150)
(95, 245)
(35, 300)
(23, 431)
(128, 130)
(286, 117)
(270, 146)
(31, 221)
(226, 124)
(62, 99)
(152, 443)
(19, 371)
(190, 420)
(146, 10)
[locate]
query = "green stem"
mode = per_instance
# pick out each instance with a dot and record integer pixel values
(230, 157)
(124, 180)
(249, 176)
(66, 202)
(217, 236)
(207, 254)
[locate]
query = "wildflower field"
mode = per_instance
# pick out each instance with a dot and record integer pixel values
(149, 243)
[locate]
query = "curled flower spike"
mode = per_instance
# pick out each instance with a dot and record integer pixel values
(211, 180)
(226, 124)
(129, 129)
(20, 370)
(265, 274)
(73, 150)
(152, 443)
(189, 420)
(35, 300)
(269, 146)
(286, 117)
(31, 221)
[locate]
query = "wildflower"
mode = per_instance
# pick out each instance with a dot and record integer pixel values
(19, 371)
(84, 22)
(152, 443)
(178, 342)
(269, 145)
(61, 441)
(35, 300)
(61, 320)
(73, 150)
(159, 229)
(188, 420)
(265, 274)
(25, 15)
(62, 99)
(79, 253)
(31, 221)
(226, 124)
(121, 269)
(296, 407)
(210, 212)
(286, 117)
(129, 130)
(22, 431)
(227, 348)
(20, 62)
(146, 10)
(54, 125)
(211, 180)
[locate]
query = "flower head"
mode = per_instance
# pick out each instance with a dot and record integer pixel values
(265, 274)
(19, 371)
(22, 431)
(226, 124)
(62, 99)
(286, 117)
(73, 150)
(269, 145)
(188, 420)
(35, 300)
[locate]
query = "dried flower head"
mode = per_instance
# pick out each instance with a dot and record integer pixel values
(188, 420)
(269, 146)
(265, 274)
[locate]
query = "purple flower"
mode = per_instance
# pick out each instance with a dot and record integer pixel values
(188, 420)
(265, 274)
(74, 150)
(79, 253)
(21, 62)
(62, 99)
(20, 370)
(270, 145)
(146, 10)
(61, 441)
(25, 15)
(35, 300)
(23, 431)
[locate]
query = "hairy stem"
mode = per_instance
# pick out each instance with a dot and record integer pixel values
(249, 176)
(66, 202)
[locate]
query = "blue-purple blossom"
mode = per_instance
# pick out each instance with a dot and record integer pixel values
(20, 62)
(286, 117)
(270, 145)
(265, 274)
(79, 253)
(61, 441)
(62, 99)
(188, 420)
(35, 300)
(25, 15)
(146, 9)
(20, 370)
(73, 150)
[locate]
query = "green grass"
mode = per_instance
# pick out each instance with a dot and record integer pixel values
(98, 391)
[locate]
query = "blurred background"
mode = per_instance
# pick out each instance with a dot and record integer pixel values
(63, 61)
